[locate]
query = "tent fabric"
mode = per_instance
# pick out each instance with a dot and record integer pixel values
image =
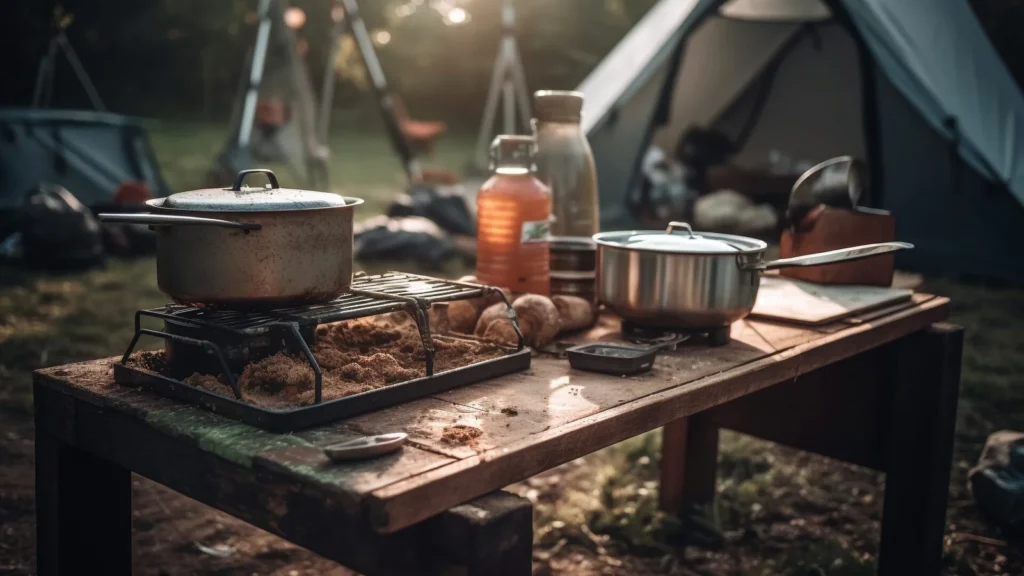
(937, 56)
(88, 153)
(645, 49)
(791, 78)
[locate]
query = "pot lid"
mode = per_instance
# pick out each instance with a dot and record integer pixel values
(681, 239)
(241, 198)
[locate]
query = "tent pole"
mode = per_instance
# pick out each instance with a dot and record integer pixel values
(327, 91)
(508, 83)
(44, 78)
(869, 106)
(357, 28)
(259, 57)
(490, 109)
(83, 77)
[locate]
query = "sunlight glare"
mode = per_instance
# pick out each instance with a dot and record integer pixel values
(294, 18)
(456, 16)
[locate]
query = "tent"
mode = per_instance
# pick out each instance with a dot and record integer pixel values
(89, 153)
(913, 88)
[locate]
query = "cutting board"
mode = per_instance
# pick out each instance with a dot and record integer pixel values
(791, 300)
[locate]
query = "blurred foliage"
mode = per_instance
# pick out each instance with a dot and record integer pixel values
(174, 58)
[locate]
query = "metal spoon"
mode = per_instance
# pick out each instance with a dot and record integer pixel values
(366, 447)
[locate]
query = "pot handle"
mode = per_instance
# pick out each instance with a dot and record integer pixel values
(236, 186)
(677, 226)
(841, 255)
(170, 220)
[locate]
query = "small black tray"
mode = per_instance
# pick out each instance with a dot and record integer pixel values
(300, 417)
(611, 358)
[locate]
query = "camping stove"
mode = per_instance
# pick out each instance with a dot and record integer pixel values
(219, 341)
(641, 334)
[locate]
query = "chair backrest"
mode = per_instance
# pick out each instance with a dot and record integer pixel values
(401, 112)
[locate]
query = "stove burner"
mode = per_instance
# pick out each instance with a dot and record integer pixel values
(641, 334)
(184, 358)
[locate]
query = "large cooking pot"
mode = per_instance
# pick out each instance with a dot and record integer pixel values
(685, 279)
(251, 247)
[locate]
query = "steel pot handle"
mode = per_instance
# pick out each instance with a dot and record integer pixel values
(170, 220)
(841, 255)
(676, 226)
(236, 186)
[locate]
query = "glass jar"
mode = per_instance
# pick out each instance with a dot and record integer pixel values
(513, 219)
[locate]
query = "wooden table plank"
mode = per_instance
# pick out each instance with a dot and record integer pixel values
(295, 456)
(414, 499)
(549, 395)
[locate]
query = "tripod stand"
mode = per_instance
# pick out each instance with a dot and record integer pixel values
(43, 91)
(508, 83)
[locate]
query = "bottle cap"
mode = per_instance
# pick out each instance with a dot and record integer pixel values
(557, 105)
(513, 151)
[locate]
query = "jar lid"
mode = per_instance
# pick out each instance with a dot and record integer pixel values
(558, 105)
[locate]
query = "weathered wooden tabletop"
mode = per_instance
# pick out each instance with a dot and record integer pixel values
(559, 414)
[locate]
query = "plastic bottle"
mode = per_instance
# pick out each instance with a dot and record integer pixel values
(513, 220)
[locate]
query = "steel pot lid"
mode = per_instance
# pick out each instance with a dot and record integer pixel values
(679, 238)
(242, 198)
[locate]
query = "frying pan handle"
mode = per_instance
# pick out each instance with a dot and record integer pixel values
(236, 186)
(841, 255)
(170, 220)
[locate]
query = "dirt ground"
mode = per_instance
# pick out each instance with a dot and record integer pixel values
(782, 511)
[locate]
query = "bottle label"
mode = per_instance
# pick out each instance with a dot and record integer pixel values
(536, 231)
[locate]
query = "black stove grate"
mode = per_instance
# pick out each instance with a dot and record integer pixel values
(367, 296)
(648, 334)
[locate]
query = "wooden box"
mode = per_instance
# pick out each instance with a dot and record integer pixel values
(838, 228)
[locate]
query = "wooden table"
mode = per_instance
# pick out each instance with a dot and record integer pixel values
(878, 390)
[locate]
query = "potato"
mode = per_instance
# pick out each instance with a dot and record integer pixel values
(574, 313)
(490, 314)
(502, 332)
(537, 317)
(462, 315)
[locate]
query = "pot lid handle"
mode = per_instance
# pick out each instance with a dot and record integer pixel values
(236, 186)
(675, 226)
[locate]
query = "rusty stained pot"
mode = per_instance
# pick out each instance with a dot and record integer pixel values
(251, 247)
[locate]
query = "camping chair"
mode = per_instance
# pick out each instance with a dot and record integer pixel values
(421, 135)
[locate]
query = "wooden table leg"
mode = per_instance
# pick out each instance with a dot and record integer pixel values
(689, 461)
(83, 511)
(926, 370)
(490, 536)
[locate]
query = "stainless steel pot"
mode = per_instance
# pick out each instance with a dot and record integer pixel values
(681, 278)
(251, 247)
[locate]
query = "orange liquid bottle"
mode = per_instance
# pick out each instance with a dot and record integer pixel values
(513, 220)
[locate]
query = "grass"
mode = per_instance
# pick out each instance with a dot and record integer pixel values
(783, 512)
(362, 162)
